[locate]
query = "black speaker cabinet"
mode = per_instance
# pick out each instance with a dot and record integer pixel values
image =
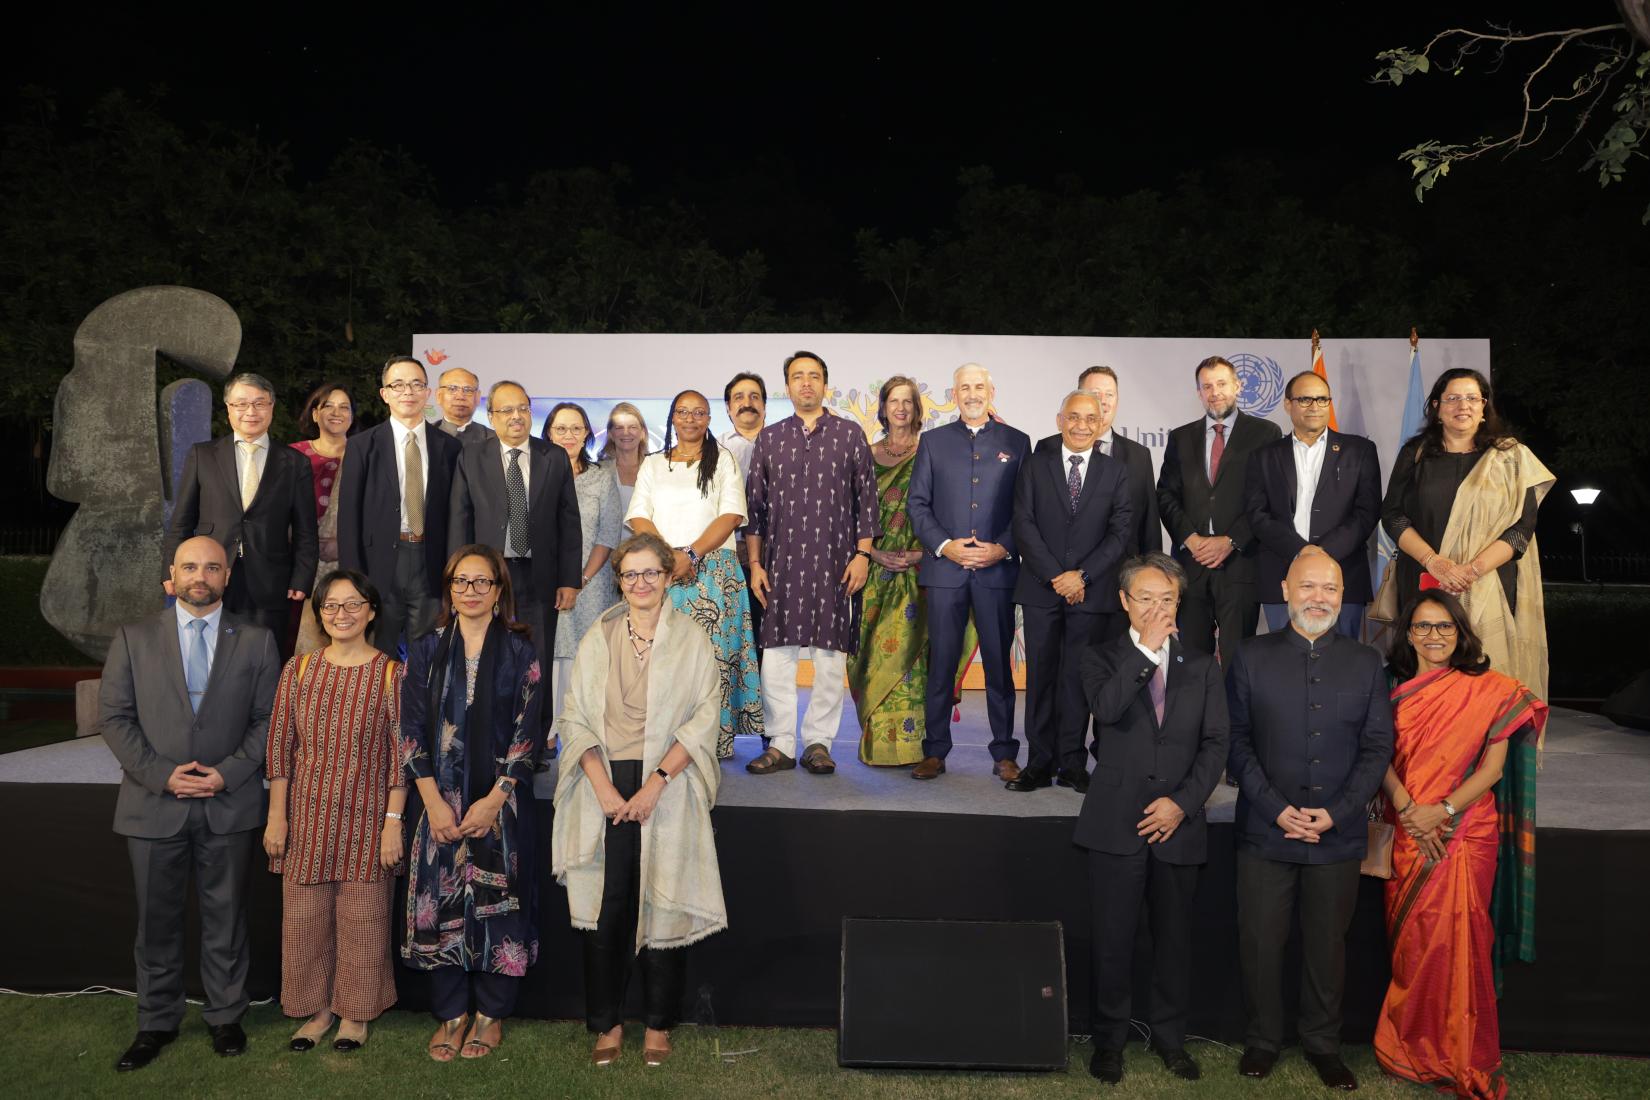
(940, 994)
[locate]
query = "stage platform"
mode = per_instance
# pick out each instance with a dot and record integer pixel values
(799, 852)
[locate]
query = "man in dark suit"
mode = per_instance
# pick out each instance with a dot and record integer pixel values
(961, 506)
(456, 390)
(1314, 486)
(257, 501)
(515, 494)
(1201, 497)
(1072, 520)
(1311, 738)
(1161, 716)
(393, 502)
(184, 705)
(1148, 531)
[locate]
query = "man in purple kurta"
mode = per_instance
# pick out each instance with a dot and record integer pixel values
(812, 497)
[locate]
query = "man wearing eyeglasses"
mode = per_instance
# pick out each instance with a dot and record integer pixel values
(455, 394)
(515, 493)
(1315, 487)
(255, 499)
(393, 502)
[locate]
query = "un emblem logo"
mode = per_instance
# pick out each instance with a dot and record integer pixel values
(1262, 380)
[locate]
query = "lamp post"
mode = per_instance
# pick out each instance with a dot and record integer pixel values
(1585, 498)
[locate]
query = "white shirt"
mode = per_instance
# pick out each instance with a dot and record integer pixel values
(185, 617)
(667, 495)
(741, 449)
(1308, 468)
(1155, 656)
(526, 461)
(1065, 465)
(400, 432)
(260, 456)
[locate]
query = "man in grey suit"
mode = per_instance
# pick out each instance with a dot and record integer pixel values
(184, 706)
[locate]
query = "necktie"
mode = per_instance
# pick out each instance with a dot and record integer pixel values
(1215, 451)
(515, 487)
(412, 497)
(1074, 483)
(249, 472)
(1156, 690)
(195, 668)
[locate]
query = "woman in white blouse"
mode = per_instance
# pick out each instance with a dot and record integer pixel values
(691, 495)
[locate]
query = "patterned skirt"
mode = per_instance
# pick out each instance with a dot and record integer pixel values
(719, 602)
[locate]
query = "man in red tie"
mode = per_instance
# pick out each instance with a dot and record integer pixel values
(1200, 495)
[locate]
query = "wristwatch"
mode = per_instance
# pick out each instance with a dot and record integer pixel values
(505, 784)
(1448, 808)
(866, 554)
(662, 774)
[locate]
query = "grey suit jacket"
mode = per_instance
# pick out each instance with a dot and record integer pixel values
(474, 432)
(144, 715)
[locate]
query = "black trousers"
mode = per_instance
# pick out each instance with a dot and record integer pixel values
(453, 990)
(1120, 887)
(1215, 599)
(948, 610)
(407, 608)
(538, 610)
(277, 619)
(1267, 893)
(1056, 713)
(610, 951)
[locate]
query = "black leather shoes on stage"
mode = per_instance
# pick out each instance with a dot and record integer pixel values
(1077, 781)
(1257, 1062)
(1107, 1066)
(144, 1049)
(1332, 1071)
(1030, 779)
(1179, 1063)
(227, 1039)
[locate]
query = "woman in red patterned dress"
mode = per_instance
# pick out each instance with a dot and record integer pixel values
(325, 422)
(334, 835)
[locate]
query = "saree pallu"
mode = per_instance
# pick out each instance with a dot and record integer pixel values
(719, 602)
(888, 677)
(1439, 1024)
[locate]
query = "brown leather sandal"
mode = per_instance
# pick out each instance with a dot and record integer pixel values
(817, 759)
(771, 760)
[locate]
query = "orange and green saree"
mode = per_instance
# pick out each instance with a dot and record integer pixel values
(1450, 922)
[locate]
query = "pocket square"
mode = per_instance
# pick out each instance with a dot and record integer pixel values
(1003, 456)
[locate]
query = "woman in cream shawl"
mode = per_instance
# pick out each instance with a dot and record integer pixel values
(632, 840)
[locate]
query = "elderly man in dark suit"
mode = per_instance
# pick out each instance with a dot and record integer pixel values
(1200, 493)
(1072, 521)
(1161, 716)
(456, 390)
(184, 706)
(1311, 739)
(255, 499)
(1315, 487)
(515, 493)
(961, 506)
(393, 504)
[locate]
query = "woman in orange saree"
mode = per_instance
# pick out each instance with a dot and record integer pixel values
(1461, 788)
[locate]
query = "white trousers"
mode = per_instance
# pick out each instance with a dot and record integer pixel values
(824, 715)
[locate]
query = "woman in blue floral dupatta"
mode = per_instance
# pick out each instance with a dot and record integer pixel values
(470, 737)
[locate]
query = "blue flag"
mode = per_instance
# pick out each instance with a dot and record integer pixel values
(1415, 411)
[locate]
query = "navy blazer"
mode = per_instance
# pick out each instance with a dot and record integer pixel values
(963, 485)
(1345, 509)
(481, 509)
(1138, 761)
(1148, 529)
(1311, 728)
(369, 505)
(275, 536)
(1189, 503)
(1053, 541)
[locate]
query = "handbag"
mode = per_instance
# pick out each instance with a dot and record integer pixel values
(1377, 862)
(1384, 608)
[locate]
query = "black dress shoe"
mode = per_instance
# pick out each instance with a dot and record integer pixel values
(144, 1049)
(1257, 1062)
(1077, 781)
(1179, 1063)
(1030, 779)
(1332, 1071)
(227, 1039)
(1107, 1066)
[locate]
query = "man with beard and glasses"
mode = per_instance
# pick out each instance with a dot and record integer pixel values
(1311, 737)
(746, 397)
(184, 706)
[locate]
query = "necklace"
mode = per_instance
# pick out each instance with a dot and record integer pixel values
(888, 449)
(639, 644)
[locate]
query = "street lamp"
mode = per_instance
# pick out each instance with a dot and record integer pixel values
(1585, 498)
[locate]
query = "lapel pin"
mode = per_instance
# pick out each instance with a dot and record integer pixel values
(1336, 447)
(1179, 660)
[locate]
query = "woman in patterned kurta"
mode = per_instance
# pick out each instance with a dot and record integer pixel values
(470, 738)
(331, 412)
(334, 830)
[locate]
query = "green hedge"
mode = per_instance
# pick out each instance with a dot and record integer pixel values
(27, 639)
(1598, 638)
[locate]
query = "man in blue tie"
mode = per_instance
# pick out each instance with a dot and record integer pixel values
(184, 705)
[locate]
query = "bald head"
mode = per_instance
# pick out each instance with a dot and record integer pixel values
(200, 573)
(1313, 591)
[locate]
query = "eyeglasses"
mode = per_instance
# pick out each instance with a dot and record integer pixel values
(1461, 399)
(332, 607)
(510, 410)
(1090, 421)
(692, 414)
(568, 431)
(1161, 601)
(1319, 402)
(651, 576)
(262, 404)
(406, 387)
(467, 391)
(1443, 630)
(479, 585)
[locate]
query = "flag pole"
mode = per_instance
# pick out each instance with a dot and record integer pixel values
(1319, 370)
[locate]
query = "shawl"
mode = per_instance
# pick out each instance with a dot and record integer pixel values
(681, 882)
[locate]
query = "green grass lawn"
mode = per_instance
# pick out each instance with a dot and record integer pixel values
(69, 1047)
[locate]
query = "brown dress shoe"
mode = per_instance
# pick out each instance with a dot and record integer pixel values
(1006, 770)
(930, 767)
